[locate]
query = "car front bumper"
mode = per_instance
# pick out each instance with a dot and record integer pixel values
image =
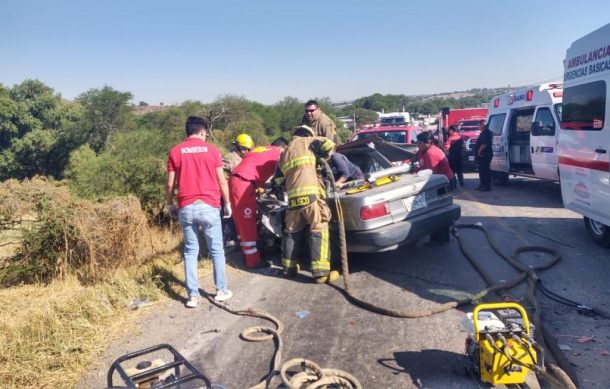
(407, 231)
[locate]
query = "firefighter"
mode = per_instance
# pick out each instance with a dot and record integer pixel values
(317, 120)
(240, 147)
(249, 175)
(306, 204)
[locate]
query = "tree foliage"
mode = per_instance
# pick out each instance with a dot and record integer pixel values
(104, 150)
(106, 111)
(35, 137)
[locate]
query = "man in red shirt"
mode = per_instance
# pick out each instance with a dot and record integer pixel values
(429, 156)
(195, 168)
(251, 173)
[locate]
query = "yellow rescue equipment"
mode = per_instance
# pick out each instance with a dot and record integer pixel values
(361, 185)
(501, 344)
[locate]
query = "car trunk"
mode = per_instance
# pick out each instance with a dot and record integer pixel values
(407, 197)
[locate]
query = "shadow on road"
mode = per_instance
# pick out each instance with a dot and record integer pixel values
(541, 194)
(431, 369)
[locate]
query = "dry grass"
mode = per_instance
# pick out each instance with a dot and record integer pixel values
(105, 256)
(57, 234)
(50, 333)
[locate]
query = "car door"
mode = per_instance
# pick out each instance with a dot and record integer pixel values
(584, 144)
(543, 143)
(499, 162)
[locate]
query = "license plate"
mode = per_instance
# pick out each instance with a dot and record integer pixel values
(416, 202)
(471, 158)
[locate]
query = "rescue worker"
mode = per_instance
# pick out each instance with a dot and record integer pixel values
(306, 204)
(317, 120)
(241, 146)
(250, 174)
(429, 156)
(453, 147)
(483, 155)
(344, 170)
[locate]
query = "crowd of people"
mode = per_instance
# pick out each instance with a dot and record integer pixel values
(207, 185)
(446, 158)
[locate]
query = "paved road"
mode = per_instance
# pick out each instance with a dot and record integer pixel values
(385, 352)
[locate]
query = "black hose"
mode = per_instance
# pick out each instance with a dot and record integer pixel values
(527, 273)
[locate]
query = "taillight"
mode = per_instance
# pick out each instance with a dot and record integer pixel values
(373, 211)
(496, 103)
(557, 94)
(530, 95)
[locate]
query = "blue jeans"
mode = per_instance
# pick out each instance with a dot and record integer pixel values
(191, 217)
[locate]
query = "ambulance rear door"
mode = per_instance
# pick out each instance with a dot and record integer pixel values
(584, 144)
(499, 162)
(543, 141)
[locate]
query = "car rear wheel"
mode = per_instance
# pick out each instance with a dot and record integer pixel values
(599, 232)
(441, 236)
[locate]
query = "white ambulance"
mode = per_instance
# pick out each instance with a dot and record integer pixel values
(525, 124)
(584, 138)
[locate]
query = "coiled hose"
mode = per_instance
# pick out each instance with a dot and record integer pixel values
(311, 373)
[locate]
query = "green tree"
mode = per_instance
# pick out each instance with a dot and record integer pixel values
(34, 130)
(106, 111)
(365, 116)
(290, 113)
(133, 163)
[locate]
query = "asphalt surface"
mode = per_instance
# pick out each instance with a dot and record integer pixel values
(385, 352)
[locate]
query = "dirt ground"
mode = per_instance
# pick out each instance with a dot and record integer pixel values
(385, 352)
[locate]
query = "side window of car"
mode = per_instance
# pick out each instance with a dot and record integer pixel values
(545, 125)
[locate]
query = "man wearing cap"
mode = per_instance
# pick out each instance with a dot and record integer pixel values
(317, 120)
(306, 203)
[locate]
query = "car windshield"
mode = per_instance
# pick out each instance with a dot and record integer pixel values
(388, 136)
(469, 125)
(393, 121)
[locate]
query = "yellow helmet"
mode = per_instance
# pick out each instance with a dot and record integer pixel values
(303, 131)
(244, 140)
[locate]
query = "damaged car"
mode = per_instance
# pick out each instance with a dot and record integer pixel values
(390, 208)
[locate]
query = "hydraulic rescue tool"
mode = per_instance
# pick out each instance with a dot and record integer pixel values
(500, 344)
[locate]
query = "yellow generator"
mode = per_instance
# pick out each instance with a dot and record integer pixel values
(500, 344)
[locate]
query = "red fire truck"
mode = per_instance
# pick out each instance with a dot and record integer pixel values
(467, 122)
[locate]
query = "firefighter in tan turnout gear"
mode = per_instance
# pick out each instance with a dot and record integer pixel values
(307, 211)
(319, 122)
(240, 147)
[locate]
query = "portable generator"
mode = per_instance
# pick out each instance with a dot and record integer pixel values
(500, 346)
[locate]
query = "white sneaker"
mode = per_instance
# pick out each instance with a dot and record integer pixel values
(192, 301)
(223, 296)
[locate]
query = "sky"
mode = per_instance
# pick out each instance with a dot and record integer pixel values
(172, 51)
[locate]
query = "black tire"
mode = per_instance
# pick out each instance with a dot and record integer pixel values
(599, 232)
(441, 236)
(500, 178)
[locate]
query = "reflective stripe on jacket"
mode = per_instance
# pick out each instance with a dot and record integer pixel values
(298, 165)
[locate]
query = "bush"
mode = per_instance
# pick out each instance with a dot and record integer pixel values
(133, 164)
(63, 235)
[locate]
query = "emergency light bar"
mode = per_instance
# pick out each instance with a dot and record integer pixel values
(530, 95)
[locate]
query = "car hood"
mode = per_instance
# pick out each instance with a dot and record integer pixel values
(391, 151)
(469, 134)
